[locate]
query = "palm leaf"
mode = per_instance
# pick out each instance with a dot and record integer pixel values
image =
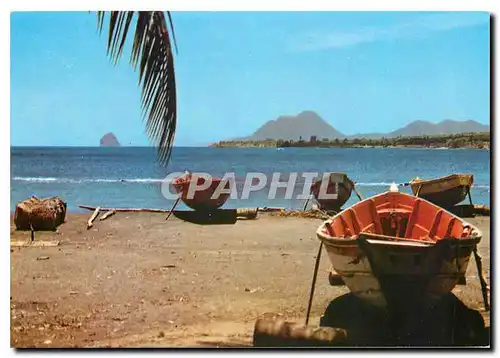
(152, 55)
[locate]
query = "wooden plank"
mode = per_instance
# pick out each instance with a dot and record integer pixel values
(125, 210)
(107, 215)
(34, 243)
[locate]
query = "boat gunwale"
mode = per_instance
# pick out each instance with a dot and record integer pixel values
(419, 181)
(337, 241)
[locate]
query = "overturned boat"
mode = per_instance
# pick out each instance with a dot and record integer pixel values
(445, 191)
(206, 199)
(333, 183)
(396, 249)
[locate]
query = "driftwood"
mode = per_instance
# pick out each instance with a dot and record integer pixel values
(248, 213)
(125, 210)
(34, 243)
(107, 215)
(40, 214)
(92, 218)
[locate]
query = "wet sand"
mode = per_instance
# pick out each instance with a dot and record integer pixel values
(135, 280)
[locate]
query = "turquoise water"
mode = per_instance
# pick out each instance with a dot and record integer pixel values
(130, 177)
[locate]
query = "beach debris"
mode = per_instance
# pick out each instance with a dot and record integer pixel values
(40, 214)
(34, 243)
(267, 209)
(252, 290)
(247, 213)
(279, 333)
(39, 258)
(482, 210)
(125, 210)
(107, 215)
(92, 218)
(48, 341)
(311, 214)
(168, 266)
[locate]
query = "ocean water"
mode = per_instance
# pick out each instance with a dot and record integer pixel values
(131, 177)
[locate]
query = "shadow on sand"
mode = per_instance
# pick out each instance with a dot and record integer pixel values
(215, 217)
(449, 323)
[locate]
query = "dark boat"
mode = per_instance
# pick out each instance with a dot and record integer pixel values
(445, 191)
(338, 183)
(202, 200)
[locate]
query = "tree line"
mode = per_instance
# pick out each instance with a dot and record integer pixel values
(461, 140)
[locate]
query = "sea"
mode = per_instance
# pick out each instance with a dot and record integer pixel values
(131, 176)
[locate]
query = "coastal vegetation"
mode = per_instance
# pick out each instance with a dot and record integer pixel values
(461, 140)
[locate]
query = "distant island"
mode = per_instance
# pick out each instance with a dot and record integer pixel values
(308, 129)
(109, 140)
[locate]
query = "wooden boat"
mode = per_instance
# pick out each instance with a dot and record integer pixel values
(202, 200)
(446, 191)
(345, 187)
(395, 248)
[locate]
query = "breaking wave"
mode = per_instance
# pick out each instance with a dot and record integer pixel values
(159, 181)
(86, 180)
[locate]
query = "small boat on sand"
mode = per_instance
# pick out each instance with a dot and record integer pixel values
(396, 249)
(202, 199)
(338, 183)
(445, 191)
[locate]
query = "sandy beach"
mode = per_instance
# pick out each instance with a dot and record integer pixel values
(135, 280)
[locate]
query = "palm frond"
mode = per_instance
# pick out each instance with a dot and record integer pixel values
(152, 54)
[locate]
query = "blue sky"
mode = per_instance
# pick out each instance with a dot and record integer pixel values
(360, 71)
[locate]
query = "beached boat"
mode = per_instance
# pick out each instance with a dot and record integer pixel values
(345, 187)
(395, 248)
(446, 191)
(202, 200)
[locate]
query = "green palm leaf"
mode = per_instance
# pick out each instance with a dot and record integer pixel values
(152, 54)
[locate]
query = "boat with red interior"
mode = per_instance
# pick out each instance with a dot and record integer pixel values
(201, 199)
(395, 248)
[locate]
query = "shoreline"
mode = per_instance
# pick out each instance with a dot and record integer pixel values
(83, 211)
(466, 140)
(352, 147)
(135, 280)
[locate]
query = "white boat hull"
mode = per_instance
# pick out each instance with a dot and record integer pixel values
(358, 274)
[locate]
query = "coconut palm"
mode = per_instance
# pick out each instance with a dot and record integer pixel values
(152, 54)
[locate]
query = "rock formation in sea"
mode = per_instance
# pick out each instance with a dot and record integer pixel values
(109, 140)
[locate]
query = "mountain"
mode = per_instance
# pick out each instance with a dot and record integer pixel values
(417, 128)
(309, 123)
(109, 140)
(305, 125)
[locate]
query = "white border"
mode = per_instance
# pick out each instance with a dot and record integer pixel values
(309, 5)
